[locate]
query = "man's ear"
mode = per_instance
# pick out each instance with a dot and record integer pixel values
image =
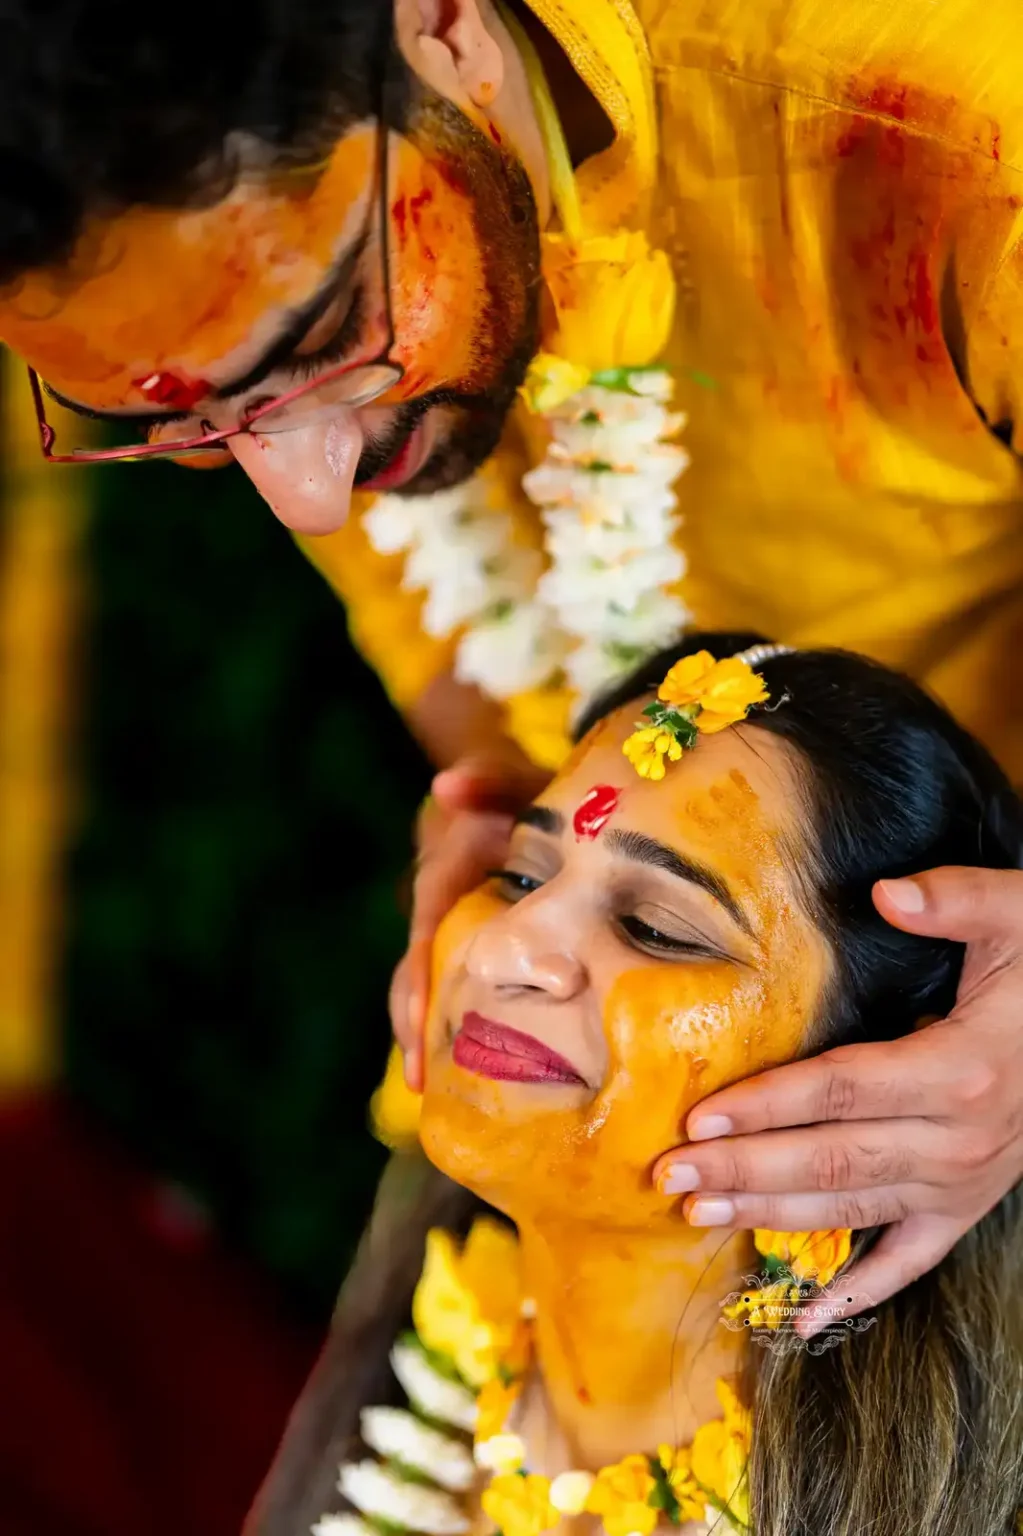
(447, 44)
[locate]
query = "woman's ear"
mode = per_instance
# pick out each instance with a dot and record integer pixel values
(448, 45)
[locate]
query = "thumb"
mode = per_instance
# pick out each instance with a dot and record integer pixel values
(955, 903)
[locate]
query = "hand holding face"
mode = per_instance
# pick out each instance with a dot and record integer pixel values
(923, 1135)
(463, 831)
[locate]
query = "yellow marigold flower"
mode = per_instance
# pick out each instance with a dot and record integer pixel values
(720, 1454)
(678, 1470)
(493, 1408)
(520, 1506)
(766, 1306)
(466, 1304)
(724, 690)
(551, 380)
(394, 1109)
(816, 1256)
(621, 1497)
(612, 300)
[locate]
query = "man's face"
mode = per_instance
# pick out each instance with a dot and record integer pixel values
(169, 319)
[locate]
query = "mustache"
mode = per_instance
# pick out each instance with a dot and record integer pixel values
(380, 450)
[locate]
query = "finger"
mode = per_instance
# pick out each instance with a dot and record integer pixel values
(487, 782)
(409, 987)
(956, 903)
(901, 1255)
(868, 1081)
(474, 842)
(809, 1212)
(857, 1155)
(398, 999)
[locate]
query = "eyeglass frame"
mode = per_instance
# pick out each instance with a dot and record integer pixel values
(134, 452)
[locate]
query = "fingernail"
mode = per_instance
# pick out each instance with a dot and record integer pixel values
(709, 1127)
(810, 1324)
(679, 1179)
(905, 894)
(711, 1213)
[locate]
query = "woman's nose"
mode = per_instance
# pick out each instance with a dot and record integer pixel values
(511, 956)
(305, 474)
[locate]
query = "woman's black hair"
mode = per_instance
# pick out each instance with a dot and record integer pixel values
(893, 786)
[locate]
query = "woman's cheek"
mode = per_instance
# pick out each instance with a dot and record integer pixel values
(677, 1033)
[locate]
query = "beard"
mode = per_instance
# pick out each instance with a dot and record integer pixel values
(507, 227)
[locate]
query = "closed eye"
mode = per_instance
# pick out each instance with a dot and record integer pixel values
(513, 884)
(306, 365)
(640, 935)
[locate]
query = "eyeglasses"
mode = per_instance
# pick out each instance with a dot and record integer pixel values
(348, 386)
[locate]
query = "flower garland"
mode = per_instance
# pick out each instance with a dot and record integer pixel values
(601, 594)
(463, 1370)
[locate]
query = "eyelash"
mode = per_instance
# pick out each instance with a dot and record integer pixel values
(334, 349)
(636, 933)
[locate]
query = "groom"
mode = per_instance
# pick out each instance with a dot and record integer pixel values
(197, 243)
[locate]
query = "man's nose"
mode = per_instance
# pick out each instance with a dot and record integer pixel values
(511, 954)
(304, 474)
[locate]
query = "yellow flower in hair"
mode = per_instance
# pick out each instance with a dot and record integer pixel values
(721, 1452)
(621, 1497)
(647, 749)
(767, 1306)
(520, 1506)
(677, 1467)
(467, 1304)
(612, 300)
(816, 1256)
(724, 691)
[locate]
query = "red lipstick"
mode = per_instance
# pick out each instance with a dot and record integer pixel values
(507, 1055)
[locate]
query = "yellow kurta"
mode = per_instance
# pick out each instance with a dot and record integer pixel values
(839, 186)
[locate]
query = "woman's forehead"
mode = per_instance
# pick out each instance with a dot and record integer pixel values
(193, 289)
(735, 793)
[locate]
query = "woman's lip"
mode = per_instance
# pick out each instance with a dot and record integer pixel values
(507, 1055)
(408, 461)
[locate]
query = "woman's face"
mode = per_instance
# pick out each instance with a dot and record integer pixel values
(645, 945)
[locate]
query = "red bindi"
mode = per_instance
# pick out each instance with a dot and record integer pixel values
(596, 808)
(168, 389)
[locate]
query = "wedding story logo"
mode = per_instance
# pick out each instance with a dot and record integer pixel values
(768, 1308)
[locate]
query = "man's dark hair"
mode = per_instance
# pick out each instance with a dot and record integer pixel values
(105, 104)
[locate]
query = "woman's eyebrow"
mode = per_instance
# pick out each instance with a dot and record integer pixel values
(640, 849)
(543, 818)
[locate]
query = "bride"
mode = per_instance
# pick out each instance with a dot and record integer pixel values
(689, 903)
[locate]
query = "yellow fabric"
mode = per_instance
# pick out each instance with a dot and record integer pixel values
(840, 188)
(41, 529)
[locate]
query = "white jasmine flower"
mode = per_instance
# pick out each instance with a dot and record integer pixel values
(433, 1394)
(383, 1495)
(510, 652)
(617, 442)
(620, 584)
(396, 1434)
(501, 1453)
(469, 588)
(395, 523)
(570, 1491)
(342, 1525)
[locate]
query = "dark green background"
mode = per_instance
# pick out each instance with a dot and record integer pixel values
(247, 797)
